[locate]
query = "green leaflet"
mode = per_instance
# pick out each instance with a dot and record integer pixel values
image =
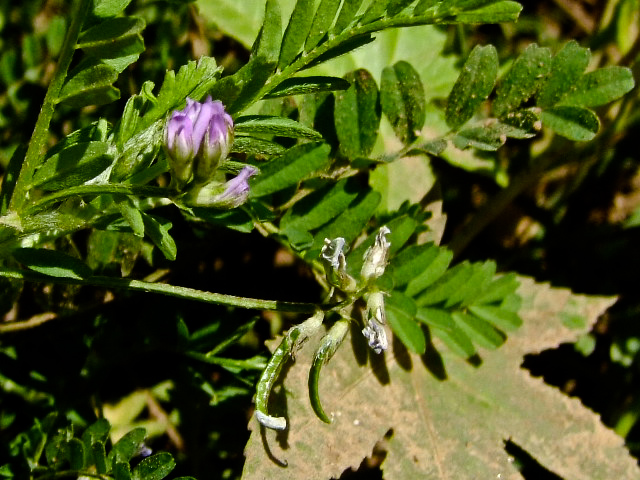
(479, 331)
(402, 100)
(90, 83)
(256, 146)
(127, 446)
(431, 273)
(441, 325)
(499, 317)
(297, 164)
(567, 67)
(274, 125)
(99, 455)
(495, 12)
(109, 8)
(412, 261)
(600, 87)
(270, 38)
(109, 47)
(453, 280)
(305, 85)
(475, 83)
(523, 79)
(318, 208)
(131, 214)
(158, 231)
(346, 16)
(116, 42)
(481, 276)
(296, 32)
(396, 6)
(52, 263)
(155, 467)
(321, 22)
(72, 166)
(401, 311)
(575, 123)
(349, 224)
(122, 471)
(497, 290)
(375, 11)
(357, 115)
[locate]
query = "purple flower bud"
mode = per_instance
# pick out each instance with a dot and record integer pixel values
(236, 190)
(202, 132)
(218, 137)
(180, 146)
(231, 194)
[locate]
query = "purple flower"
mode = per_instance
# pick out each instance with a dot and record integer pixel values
(231, 194)
(236, 190)
(202, 132)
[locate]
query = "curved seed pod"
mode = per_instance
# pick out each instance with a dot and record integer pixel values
(290, 343)
(328, 346)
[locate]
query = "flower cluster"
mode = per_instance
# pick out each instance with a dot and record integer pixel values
(374, 263)
(198, 140)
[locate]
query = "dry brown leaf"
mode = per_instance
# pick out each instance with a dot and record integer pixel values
(449, 420)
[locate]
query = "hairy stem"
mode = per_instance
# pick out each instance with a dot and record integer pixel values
(165, 289)
(41, 130)
(114, 189)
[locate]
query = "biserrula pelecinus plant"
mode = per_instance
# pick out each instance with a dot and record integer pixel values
(212, 147)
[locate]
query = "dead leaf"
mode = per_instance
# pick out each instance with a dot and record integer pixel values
(449, 420)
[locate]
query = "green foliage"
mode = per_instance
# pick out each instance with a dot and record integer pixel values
(50, 449)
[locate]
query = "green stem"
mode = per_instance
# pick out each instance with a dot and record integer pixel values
(164, 289)
(41, 130)
(73, 474)
(116, 189)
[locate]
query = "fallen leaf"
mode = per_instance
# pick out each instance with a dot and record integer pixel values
(449, 420)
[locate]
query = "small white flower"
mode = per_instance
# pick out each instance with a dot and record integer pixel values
(376, 256)
(375, 318)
